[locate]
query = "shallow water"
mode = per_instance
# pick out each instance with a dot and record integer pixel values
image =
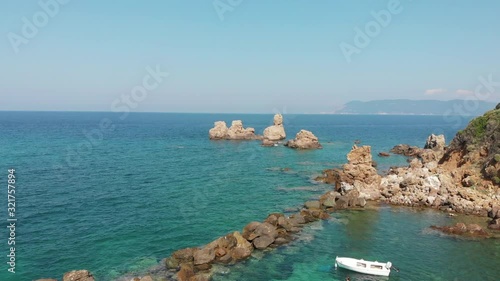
(399, 235)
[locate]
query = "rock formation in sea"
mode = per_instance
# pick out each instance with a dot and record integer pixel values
(220, 131)
(462, 229)
(75, 275)
(275, 132)
(304, 140)
(193, 264)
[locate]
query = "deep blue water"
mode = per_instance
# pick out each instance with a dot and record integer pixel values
(118, 200)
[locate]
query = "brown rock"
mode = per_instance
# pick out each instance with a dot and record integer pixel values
(249, 229)
(383, 154)
(304, 140)
(263, 241)
(243, 248)
(78, 275)
(312, 204)
(146, 278)
(184, 255)
(204, 255)
(202, 267)
(360, 155)
(266, 229)
(186, 272)
(328, 199)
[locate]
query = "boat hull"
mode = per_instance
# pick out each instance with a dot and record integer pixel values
(371, 268)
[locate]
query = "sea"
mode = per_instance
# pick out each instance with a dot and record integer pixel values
(116, 193)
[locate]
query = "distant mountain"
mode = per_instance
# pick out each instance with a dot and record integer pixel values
(417, 107)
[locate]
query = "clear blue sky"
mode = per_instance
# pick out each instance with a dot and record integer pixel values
(264, 56)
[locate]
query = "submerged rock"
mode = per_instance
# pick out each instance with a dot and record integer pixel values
(304, 140)
(78, 275)
(471, 230)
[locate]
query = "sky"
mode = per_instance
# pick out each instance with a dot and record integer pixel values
(250, 56)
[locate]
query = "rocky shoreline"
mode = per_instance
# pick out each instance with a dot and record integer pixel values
(459, 178)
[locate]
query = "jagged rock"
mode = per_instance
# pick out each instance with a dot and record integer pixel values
(494, 224)
(435, 142)
(275, 132)
(219, 131)
(184, 255)
(243, 248)
(235, 132)
(304, 140)
(186, 272)
(205, 255)
(360, 155)
(248, 230)
(328, 199)
(383, 154)
(78, 275)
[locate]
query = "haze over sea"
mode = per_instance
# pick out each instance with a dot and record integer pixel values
(156, 184)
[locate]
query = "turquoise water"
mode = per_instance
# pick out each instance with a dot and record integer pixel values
(156, 183)
(399, 235)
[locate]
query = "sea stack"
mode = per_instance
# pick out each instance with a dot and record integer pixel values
(275, 132)
(304, 140)
(235, 132)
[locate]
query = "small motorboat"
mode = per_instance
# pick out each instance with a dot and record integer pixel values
(362, 266)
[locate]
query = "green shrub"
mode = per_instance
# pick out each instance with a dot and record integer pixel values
(479, 126)
(496, 180)
(497, 158)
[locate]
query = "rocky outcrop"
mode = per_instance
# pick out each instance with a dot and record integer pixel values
(355, 183)
(275, 132)
(78, 275)
(220, 131)
(304, 140)
(383, 154)
(461, 229)
(435, 142)
(277, 229)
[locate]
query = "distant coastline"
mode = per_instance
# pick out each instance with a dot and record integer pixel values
(416, 107)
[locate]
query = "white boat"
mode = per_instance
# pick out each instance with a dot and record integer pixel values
(362, 266)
